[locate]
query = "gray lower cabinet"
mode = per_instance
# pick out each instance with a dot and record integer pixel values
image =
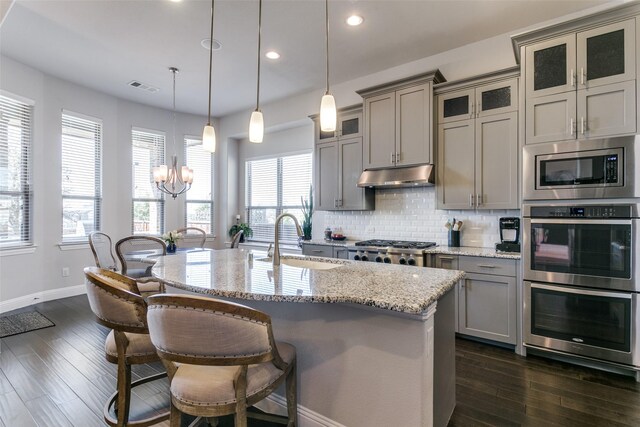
(486, 298)
(327, 251)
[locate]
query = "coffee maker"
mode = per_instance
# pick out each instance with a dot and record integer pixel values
(509, 235)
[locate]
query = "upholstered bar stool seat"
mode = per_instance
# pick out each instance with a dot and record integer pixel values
(117, 304)
(221, 358)
(189, 388)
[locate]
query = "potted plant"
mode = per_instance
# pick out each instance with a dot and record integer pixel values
(307, 214)
(171, 238)
(246, 230)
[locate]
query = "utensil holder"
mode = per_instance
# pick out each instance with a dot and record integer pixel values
(454, 238)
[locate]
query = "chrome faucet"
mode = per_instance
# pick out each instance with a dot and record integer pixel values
(276, 246)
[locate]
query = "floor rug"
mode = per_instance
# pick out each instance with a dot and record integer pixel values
(23, 322)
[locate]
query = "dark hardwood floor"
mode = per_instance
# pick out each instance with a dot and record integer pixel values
(59, 377)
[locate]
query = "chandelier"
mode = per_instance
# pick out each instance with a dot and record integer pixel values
(167, 179)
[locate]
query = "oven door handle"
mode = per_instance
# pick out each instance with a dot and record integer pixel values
(582, 291)
(574, 220)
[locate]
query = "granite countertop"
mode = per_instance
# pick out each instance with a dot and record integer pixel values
(472, 251)
(463, 250)
(231, 273)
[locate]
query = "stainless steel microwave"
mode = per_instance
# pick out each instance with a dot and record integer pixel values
(589, 169)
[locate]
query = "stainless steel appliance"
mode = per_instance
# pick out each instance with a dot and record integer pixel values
(590, 169)
(390, 252)
(580, 287)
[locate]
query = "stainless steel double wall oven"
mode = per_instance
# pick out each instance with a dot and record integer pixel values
(581, 238)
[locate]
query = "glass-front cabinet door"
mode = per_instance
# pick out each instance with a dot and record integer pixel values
(497, 98)
(606, 54)
(348, 125)
(456, 106)
(551, 66)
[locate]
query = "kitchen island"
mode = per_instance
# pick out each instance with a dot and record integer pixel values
(367, 335)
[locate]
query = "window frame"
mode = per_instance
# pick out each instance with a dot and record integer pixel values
(161, 200)
(97, 197)
(25, 194)
(279, 207)
(187, 144)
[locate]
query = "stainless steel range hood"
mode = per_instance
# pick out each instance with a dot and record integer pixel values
(412, 176)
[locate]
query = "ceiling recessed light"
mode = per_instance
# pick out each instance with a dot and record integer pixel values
(355, 20)
(216, 44)
(272, 54)
(175, 1)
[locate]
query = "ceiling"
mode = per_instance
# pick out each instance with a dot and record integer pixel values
(104, 44)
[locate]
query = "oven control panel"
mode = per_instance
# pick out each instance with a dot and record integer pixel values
(587, 211)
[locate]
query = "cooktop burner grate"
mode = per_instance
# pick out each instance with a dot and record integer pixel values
(396, 244)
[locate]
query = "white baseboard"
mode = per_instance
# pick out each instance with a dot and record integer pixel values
(38, 297)
(277, 404)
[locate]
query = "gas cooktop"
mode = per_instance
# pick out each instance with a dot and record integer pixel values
(396, 244)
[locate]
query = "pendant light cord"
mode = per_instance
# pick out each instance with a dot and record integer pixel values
(174, 71)
(259, 46)
(326, 16)
(210, 59)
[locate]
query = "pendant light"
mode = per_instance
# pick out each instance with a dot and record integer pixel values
(256, 124)
(167, 179)
(209, 133)
(328, 105)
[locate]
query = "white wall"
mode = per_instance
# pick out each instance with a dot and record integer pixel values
(39, 272)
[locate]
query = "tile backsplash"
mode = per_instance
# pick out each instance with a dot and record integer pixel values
(411, 214)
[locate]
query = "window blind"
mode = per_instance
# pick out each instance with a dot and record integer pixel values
(15, 171)
(81, 176)
(199, 199)
(275, 186)
(148, 201)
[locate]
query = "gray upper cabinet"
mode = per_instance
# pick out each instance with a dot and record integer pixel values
(582, 85)
(472, 143)
(398, 122)
(338, 165)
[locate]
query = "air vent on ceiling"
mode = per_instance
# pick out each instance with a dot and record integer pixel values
(139, 85)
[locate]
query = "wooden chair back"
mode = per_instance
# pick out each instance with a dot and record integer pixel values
(235, 241)
(138, 243)
(115, 300)
(206, 331)
(100, 244)
(192, 237)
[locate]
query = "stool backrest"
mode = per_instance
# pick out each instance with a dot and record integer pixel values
(115, 300)
(192, 237)
(138, 243)
(100, 244)
(235, 241)
(206, 331)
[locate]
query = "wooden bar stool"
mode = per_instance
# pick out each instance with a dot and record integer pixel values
(117, 304)
(221, 358)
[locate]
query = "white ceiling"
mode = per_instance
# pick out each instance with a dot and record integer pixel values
(104, 44)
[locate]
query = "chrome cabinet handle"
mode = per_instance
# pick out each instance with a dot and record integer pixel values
(472, 108)
(487, 266)
(470, 200)
(449, 258)
(339, 202)
(582, 125)
(317, 251)
(479, 198)
(571, 124)
(583, 75)
(479, 109)
(573, 77)
(398, 157)
(393, 158)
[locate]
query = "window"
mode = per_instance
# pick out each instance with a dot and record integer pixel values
(148, 201)
(81, 176)
(199, 200)
(15, 171)
(275, 186)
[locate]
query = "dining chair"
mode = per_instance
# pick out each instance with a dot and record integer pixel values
(192, 237)
(221, 358)
(100, 244)
(117, 304)
(235, 241)
(140, 269)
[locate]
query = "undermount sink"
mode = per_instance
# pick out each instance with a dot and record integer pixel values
(306, 263)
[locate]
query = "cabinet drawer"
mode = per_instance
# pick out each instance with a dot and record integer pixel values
(498, 266)
(318, 250)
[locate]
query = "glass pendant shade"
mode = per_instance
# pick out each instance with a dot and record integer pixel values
(209, 139)
(256, 127)
(328, 113)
